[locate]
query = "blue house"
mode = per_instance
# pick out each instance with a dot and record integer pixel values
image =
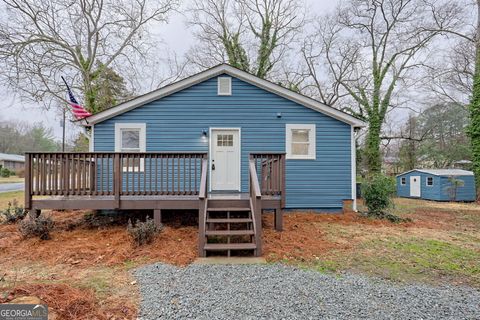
(437, 184)
(222, 140)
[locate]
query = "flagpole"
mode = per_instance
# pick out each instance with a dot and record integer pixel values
(63, 133)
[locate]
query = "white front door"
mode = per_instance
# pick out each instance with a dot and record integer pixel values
(415, 186)
(225, 159)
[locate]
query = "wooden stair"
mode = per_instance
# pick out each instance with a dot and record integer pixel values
(229, 227)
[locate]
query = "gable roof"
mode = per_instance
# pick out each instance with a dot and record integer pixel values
(215, 71)
(442, 172)
(12, 157)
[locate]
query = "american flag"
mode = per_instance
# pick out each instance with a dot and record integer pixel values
(78, 111)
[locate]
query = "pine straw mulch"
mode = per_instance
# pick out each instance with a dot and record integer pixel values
(90, 247)
(73, 303)
(56, 270)
(305, 237)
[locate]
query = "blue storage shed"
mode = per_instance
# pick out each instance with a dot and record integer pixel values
(437, 184)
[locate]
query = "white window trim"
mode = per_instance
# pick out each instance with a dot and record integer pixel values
(143, 139)
(403, 181)
(312, 150)
(229, 93)
(429, 185)
(91, 141)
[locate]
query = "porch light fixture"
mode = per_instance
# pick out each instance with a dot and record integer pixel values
(279, 114)
(204, 135)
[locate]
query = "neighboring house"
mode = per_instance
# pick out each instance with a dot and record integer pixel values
(391, 165)
(222, 140)
(463, 164)
(12, 162)
(437, 184)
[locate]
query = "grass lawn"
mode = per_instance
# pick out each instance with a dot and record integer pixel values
(12, 179)
(6, 197)
(86, 269)
(441, 244)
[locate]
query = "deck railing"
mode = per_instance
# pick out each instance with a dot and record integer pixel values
(112, 174)
(270, 168)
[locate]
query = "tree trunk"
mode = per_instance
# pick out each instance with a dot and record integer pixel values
(372, 146)
(475, 105)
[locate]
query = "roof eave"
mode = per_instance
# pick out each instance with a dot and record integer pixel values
(207, 74)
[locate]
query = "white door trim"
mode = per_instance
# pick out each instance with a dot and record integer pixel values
(210, 154)
(418, 185)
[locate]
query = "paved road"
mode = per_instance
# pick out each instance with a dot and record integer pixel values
(8, 187)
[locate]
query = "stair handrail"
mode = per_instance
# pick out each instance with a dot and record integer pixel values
(256, 206)
(254, 185)
(202, 194)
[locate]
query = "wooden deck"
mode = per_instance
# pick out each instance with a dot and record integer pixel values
(160, 181)
(167, 202)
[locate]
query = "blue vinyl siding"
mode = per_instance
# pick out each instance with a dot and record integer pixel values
(175, 123)
(465, 193)
(440, 189)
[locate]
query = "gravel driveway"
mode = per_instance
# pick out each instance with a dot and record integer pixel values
(283, 292)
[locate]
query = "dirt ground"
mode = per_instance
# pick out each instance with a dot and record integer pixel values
(83, 272)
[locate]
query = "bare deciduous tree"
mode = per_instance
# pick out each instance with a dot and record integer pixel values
(253, 35)
(371, 49)
(40, 40)
(459, 78)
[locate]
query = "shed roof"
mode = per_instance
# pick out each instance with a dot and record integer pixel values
(443, 172)
(215, 71)
(12, 157)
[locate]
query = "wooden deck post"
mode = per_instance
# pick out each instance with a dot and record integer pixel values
(278, 219)
(117, 179)
(201, 227)
(157, 217)
(28, 182)
(258, 225)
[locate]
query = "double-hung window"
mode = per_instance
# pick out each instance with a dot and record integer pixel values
(429, 181)
(300, 141)
(130, 138)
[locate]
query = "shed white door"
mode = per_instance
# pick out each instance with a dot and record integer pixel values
(415, 186)
(225, 159)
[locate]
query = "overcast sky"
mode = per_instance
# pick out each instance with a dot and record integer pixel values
(176, 35)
